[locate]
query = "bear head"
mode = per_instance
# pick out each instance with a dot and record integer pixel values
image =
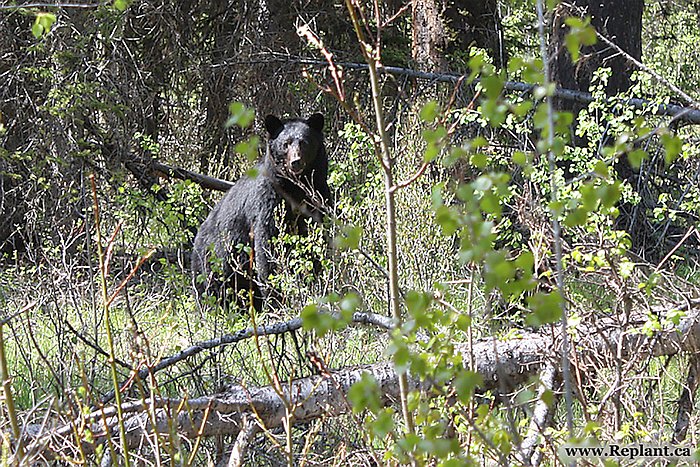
(294, 144)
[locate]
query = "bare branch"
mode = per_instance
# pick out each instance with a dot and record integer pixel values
(273, 329)
(51, 5)
(204, 181)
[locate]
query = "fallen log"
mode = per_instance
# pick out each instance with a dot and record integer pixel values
(502, 364)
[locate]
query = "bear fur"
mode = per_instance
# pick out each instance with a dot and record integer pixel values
(294, 171)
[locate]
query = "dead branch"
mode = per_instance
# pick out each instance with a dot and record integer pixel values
(204, 181)
(273, 329)
(248, 431)
(542, 416)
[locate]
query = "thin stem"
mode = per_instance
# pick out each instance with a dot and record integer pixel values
(7, 392)
(556, 227)
(108, 326)
(371, 56)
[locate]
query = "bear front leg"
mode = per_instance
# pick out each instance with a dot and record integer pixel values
(263, 233)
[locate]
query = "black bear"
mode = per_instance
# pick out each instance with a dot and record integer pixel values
(294, 171)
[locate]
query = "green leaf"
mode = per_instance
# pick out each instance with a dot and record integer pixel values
(580, 32)
(121, 5)
(249, 148)
(548, 398)
(447, 220)
(400, 355)
(609, 194)
(429, 112)
(431, 152)
(465, 383)
(521, 109)
(417, 303)
(572, 45)
(364, 395)
(546, 308)
(239, 115)
(493, 86)
(349, 238)
(383, 424)
(520, 158)
(313, 319)
(636, 157)
(348, 305)
(673, 146)
(575, 217)
(589, 196)
(490, 203)
(479, 160)
(434, 135)
(42, 24)
(601, 168)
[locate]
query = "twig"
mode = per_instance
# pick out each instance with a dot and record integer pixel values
(690, 232)
(7, 395)
(689, 100)
(51, 5)
(94, 346)
(204, 181)
(24, 309)
(107, 319)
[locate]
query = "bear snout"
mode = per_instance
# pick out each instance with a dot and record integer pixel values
(295, 160)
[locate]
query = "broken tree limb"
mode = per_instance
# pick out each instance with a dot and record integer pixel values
(501, 364)
(240, 446)
(204, 181)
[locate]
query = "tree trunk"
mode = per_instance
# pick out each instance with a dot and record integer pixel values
(429, 40)
(443, 27)
(618, 20)
(621, 22)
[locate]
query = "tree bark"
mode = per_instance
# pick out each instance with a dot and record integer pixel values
(618, 20)
(443, 27)
(429, 39)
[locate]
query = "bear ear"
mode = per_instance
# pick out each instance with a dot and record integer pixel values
(316, 122)
(273, 125)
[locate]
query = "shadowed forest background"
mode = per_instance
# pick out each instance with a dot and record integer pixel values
(539, 284)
